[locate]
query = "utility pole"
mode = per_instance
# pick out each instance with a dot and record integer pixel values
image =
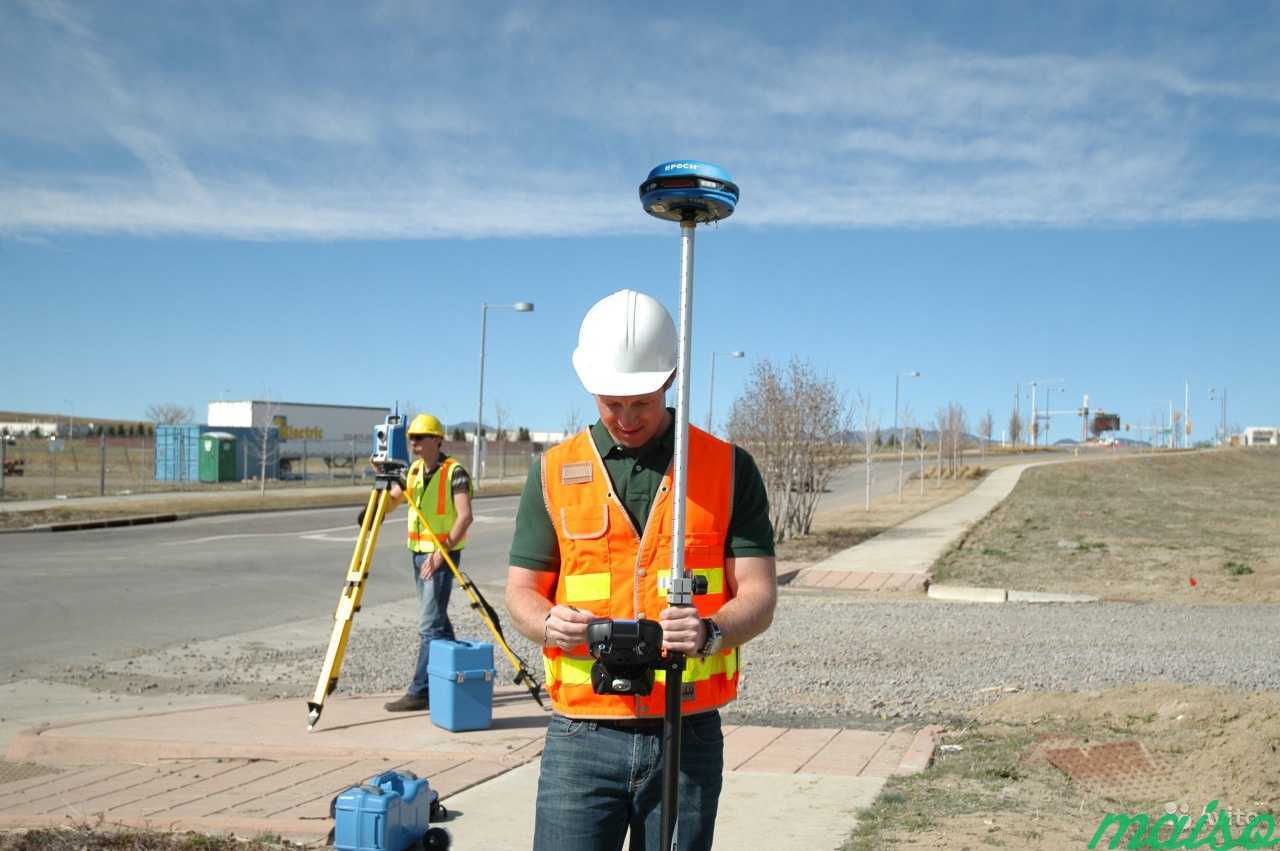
(1186, 412)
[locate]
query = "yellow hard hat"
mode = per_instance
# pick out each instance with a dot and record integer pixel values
(426, 424)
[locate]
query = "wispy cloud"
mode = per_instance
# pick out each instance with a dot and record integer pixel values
(405, 120)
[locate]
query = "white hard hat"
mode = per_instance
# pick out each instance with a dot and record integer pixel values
(626, 345)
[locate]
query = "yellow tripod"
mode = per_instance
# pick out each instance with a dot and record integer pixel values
(358, 572)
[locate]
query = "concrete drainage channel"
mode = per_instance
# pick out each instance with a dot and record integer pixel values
(971, 594)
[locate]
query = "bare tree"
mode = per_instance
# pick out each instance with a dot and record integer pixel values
(870, 428)
(919, 442)
(789, 419)
(958, 426)
(906, 417)
(985, 426)
(1015, 427)
(940, 423)
(501, 412)
(572, 422)
(169, 413)
(263, 429)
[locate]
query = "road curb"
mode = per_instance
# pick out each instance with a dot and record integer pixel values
(976, 594)
(967, 594)
(145, 519)
(919, 755)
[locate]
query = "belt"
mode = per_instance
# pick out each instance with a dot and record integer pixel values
(645, 724)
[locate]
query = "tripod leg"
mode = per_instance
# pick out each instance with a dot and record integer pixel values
(349, 602)
(485, 611)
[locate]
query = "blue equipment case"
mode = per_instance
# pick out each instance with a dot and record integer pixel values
(389, 812)
(461, 677)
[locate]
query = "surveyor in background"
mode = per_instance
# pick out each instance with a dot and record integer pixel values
(592, 539)
(441, 488)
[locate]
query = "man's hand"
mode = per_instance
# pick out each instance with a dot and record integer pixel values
(433, 562)
(682, 630)
(566, 627)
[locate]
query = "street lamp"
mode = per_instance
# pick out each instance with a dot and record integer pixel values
(897, 380)
(1048, 410)
(711, 388)
(518, 307)
(1223, 428)
(1034, 426)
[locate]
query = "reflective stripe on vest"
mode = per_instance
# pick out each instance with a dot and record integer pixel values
(611, 569)
(434, 497)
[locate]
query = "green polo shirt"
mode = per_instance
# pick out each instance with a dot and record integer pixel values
(636, 474)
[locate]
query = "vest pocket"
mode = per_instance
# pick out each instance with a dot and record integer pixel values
(584, 522)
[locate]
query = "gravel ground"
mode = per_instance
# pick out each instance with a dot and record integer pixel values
(825, 662)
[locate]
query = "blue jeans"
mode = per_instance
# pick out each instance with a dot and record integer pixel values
(599, 780)
(433, 615)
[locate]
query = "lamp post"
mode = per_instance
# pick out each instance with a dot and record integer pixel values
(711, 388)
(519, 307)
(1034, 425)
(1223, 398)
(1048, 411)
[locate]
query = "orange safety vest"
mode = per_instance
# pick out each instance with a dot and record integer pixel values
(609, 568)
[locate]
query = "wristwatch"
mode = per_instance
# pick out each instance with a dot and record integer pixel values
(715, 639)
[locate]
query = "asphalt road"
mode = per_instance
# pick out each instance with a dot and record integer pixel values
(94, 595)
(105, 593)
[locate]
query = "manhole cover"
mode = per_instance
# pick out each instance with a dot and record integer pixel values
(1124, 770)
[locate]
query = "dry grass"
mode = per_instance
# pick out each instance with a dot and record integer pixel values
(834, 531)
(992, 785)
(1191, 527)
(100, 838)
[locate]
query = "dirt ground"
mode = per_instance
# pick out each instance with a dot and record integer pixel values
(994, 783)
(1188, 527)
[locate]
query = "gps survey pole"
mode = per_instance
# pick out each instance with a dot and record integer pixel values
(691, 193)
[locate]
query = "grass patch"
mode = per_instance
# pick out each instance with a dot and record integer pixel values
(973, 781)
(1135, 528)
(99, 838)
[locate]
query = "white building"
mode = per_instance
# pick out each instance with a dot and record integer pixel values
(30, 429)
(300, 421)
(1262, 436)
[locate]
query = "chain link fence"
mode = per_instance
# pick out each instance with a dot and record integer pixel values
(42, 468)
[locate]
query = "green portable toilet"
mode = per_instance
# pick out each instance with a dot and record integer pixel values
(217, 457)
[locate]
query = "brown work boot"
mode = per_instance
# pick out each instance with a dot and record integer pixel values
(408, 703)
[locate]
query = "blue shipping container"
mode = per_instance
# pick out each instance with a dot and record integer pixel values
(178, 452)
(461, 677)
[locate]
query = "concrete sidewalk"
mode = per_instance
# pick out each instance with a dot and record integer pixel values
(902, 558)
(253, 768)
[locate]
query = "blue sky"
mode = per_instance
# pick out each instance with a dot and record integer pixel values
(312, 200)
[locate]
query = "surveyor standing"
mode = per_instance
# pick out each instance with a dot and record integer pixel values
(592, 539)
(441, 488)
